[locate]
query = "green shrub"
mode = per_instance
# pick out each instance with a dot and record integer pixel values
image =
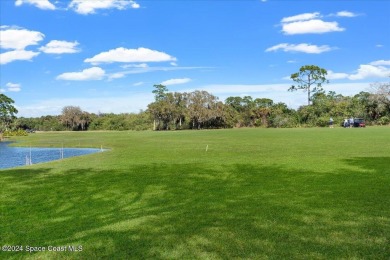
(384, 120)
(18, 132)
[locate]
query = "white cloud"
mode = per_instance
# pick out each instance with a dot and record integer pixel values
(301, 17)
(333, 75)
(303, 47)
(135, 5)
(147, 69)
(345, 14)
(130, 55)
(375, 69)
(90, 7)
(380, 63)
(175, 81)
(41, 4)
(18, 39)
(138, 83)
(370, 71)
(142, 65)
(59, 47)
(11, 87)
(116, 75)
(311, 23)
(311, 26)
(379, 45)
(94, 73)
(11, 56)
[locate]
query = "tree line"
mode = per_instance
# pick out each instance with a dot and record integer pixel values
(202, 110)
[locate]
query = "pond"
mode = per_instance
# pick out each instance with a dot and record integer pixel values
(18, 156)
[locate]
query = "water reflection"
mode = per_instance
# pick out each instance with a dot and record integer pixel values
(17, 156)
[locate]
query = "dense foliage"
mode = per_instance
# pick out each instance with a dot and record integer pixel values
(203, 110)
(18, 132)
(7, 112)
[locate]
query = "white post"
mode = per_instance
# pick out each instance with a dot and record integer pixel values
(30, 157)
(207, 147)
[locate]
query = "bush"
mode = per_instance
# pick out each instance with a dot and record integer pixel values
(322, 121)
(281, 121)
(18, 132)
(384, 120)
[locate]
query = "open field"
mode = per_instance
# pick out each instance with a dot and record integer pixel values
(255, 194)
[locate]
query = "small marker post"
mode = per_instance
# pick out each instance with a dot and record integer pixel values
(207, 147)
(30, 162)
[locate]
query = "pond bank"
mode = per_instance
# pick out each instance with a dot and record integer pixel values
(19, 156)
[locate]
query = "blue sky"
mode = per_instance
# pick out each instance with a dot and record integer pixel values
(106, 55)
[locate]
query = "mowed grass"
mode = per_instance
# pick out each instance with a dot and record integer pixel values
(254, 194)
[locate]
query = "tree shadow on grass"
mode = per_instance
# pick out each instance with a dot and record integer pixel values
(194, 211)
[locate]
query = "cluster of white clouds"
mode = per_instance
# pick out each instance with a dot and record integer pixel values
(82, 6)
(314, 23)
(15, 40)
(309, 23)
(136, 57)
(11, 87)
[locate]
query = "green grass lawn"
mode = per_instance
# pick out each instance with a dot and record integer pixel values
(315, 193)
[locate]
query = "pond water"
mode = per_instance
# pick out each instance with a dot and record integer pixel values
(18, 156)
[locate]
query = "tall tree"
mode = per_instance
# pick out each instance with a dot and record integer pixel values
(160, 92)
(382, 92)
(201, 108)
(7, 111)
(179, 114)
(262, 109)
(310, 79)
(71, 117)
(160, 109)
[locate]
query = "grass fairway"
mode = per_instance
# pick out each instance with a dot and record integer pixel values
(255, 194)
